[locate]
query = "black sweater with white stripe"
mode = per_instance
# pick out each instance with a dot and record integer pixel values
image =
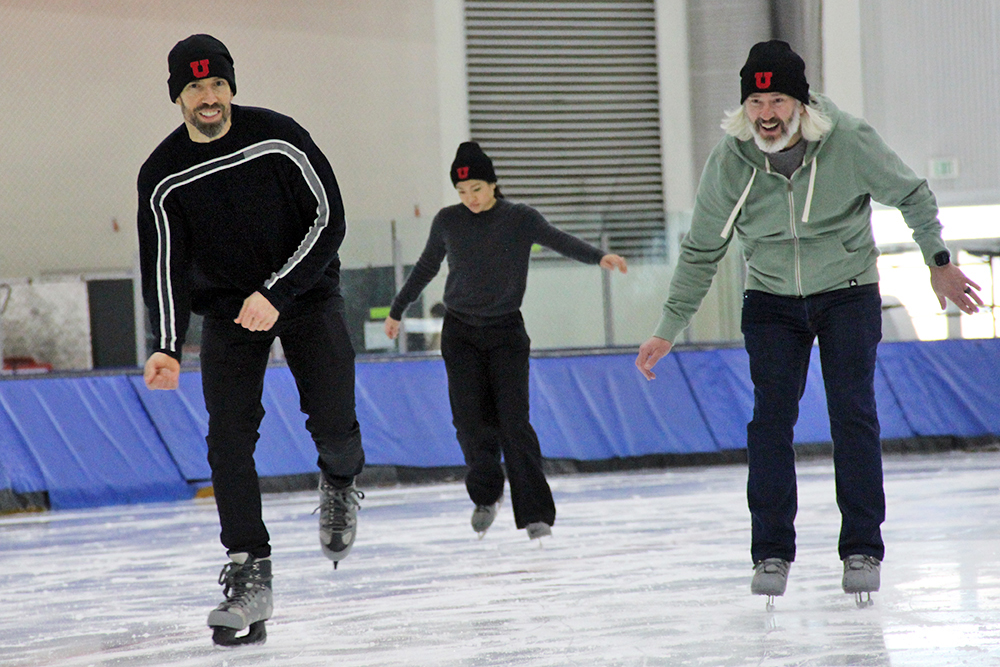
(257, 210)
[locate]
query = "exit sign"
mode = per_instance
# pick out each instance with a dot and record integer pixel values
(943, 167)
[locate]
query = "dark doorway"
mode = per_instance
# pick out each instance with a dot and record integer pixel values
(112, 323)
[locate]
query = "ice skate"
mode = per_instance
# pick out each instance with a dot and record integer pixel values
(861, 577)
(249, 601)
(338, 519)
(538, 530)
(770, 576)
(483, 516)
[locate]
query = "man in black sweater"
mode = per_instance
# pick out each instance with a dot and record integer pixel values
(240, 220)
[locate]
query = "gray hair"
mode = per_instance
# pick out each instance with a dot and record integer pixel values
(814, 123)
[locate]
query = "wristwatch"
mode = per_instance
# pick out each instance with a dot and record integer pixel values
(942, 258)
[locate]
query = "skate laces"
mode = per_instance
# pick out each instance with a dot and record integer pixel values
(234, 578)
(862, 562)
(336, 505)
(773, 566)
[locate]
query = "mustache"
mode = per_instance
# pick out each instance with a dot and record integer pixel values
(781, 124)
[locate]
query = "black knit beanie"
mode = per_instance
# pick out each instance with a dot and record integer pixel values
(472, 164)
(772, 67)
(198, 57)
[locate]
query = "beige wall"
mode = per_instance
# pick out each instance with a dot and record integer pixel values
(381, 87)
(84, 100)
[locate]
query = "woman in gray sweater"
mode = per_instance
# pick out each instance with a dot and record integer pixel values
(485, 347)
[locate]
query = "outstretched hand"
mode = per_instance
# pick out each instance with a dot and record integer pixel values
(612, 262)
(257, 313)
(162, 371)
(651, 352)
(948, 282)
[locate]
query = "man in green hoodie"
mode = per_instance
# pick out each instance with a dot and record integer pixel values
(794, 179)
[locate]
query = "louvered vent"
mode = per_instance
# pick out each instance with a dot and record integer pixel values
(564, 97)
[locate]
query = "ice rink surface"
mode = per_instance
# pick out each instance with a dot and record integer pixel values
(645, 568)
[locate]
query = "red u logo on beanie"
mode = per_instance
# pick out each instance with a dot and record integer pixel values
(763, 79)
(200, 68)
(463, 173)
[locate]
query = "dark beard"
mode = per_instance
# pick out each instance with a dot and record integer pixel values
(210, 130)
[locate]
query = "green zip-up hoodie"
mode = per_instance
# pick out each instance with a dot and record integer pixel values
(800, 236)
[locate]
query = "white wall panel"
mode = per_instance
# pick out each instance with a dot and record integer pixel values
(83, 98)
(721, 34)
(932, 89)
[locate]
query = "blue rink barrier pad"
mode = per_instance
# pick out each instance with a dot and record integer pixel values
(98, 440)
(84, 441)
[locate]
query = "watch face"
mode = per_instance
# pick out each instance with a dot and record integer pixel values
(942, 258)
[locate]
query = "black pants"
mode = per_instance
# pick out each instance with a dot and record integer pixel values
(233, 361)
(779, 333)
(488, 386)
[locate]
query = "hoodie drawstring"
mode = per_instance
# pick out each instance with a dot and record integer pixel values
(746, 193)
(809, 192)
(739, 205)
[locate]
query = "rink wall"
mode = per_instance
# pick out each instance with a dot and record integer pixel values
(96, 440)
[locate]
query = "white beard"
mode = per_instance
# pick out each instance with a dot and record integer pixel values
(781, 142)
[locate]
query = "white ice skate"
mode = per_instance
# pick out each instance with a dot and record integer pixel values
(483, 517)
(538, 530)
(770, 577)
(861, 577)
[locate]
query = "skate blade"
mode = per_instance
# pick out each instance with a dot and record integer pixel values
(864, 600)
(769, 605)
(256, 634)
(335, 556)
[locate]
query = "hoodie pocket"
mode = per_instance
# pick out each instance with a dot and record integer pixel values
(827, 264)
(771, 265)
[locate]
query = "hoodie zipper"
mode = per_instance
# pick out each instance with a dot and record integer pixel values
(791, 224)
(791, 212)
(791, 217)
(795, 239)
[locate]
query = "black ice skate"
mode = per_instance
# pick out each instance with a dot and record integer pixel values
(338, 519)
(249, 601)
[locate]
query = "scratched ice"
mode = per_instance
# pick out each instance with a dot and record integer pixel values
(646, 568)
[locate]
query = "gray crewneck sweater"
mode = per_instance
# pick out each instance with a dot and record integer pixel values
(787, 161)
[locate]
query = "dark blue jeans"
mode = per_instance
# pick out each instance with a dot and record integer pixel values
(487, 370)
(779, 332)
